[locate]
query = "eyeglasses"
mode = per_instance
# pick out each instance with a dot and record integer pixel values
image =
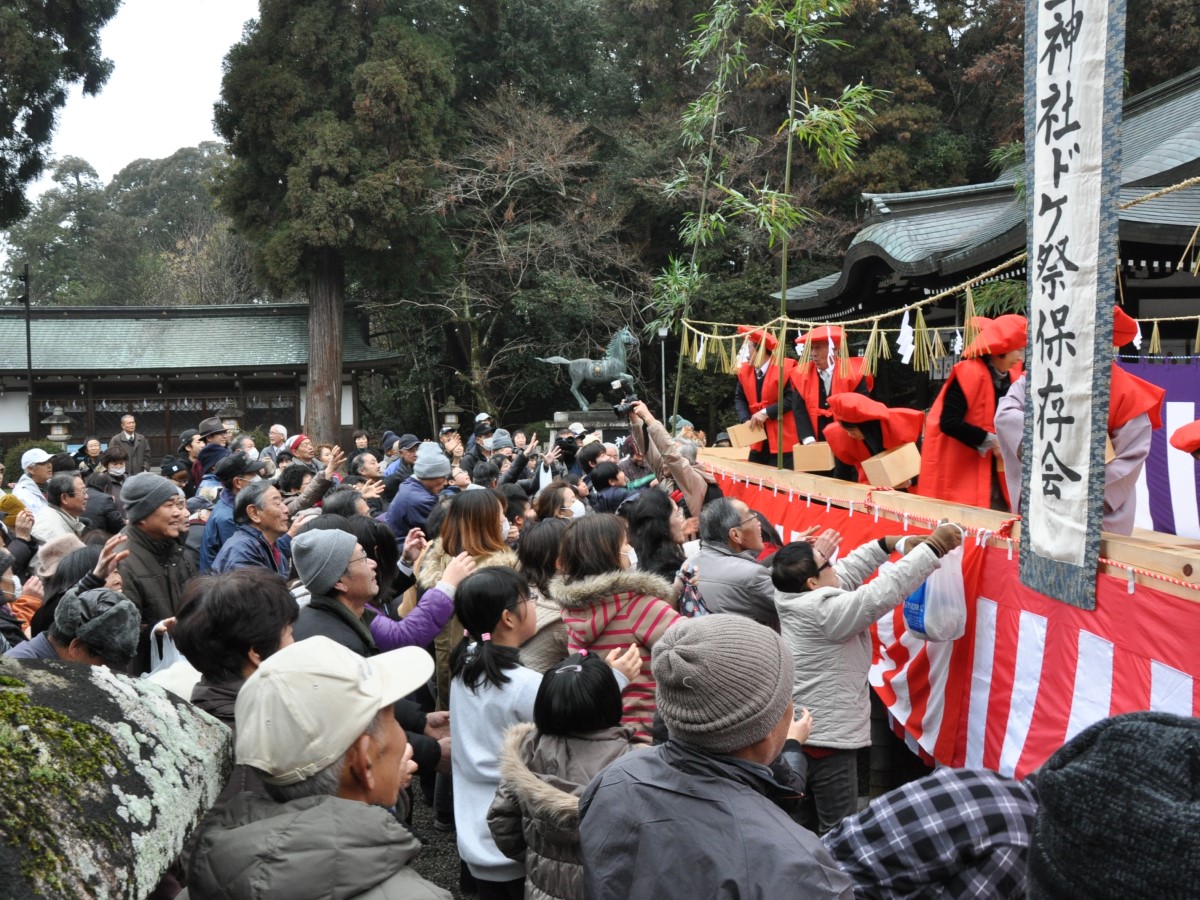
(825, 565)
(356, 559)
(745, 522)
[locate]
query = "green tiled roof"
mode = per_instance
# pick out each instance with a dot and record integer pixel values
(133, 339)
(945, 231)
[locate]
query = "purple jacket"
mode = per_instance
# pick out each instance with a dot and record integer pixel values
(419, 627)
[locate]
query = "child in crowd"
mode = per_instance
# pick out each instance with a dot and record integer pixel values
(545, 766)
(490, 691)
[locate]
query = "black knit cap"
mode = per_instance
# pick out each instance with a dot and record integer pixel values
(1119, 812)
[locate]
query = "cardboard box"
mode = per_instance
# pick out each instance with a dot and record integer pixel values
(812, 457)
(745, 434)
(893, 467)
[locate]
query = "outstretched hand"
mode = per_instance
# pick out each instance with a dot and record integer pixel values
(826, 544)
(110, 556)
(336, 458)
(628, 662)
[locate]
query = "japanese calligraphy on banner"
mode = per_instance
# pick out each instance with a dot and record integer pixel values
(1074, 52)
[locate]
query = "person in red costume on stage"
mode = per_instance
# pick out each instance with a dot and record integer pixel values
(820, 378)
(1187, 439)
(863, 427)
(756, 397)
(1134, 411)
(958, 459)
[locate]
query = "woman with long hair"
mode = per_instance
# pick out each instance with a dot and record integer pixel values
(538, 557)
(555, 501)
(656, 534)
(607, 605)
(474, 525)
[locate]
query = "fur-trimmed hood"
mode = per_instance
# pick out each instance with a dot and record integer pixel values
(546, 774)
(602, 588)
(434, 562)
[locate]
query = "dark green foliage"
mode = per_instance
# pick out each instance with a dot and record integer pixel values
(45, 47)
(152, 236)
(333, 113)
(12, 458)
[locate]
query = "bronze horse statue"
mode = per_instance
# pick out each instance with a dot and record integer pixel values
(609, 369)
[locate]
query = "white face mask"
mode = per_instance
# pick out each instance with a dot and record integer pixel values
(487, 443)
(504, 526)
(116, 470)
(631, 555)
(578, 509)
(252, 453)
(256, 477)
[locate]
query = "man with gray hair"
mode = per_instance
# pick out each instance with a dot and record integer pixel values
(277, 435)
(66, 498)
(316, 721)
(732, 580)
(154, 573)
(261, 538)
(724, 691)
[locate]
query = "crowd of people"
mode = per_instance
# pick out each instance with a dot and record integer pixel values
(607, 679)
(970, 438)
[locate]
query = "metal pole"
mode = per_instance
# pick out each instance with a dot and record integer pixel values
(33, 423)
(662, 367)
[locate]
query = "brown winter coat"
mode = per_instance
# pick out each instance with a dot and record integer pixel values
(535, 816)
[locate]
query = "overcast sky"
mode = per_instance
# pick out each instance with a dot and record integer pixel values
(167, 57)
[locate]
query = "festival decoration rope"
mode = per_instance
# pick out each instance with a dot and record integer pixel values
(928, 344)
(872, 506)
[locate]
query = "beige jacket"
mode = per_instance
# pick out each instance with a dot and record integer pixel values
(672, 469)
(828, 633)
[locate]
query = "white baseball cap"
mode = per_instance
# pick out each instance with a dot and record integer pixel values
(306, 704)
(34, 457)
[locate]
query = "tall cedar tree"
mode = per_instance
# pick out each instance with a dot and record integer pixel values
(45, 46)
(331, 110)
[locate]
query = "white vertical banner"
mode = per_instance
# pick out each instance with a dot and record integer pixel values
(1074, 51)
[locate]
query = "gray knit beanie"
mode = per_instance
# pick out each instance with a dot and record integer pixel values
(1119, 812)
(321, 556)
(145, 492)
(724, 681)
(431, 461)
(501, 439)
(105, 620)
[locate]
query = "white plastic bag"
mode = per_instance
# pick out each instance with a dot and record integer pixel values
(937, 610)
(169, 669)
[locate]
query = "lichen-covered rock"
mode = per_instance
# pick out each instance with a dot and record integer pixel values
(102, 778)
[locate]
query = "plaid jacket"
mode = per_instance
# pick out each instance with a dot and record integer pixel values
(958, 833)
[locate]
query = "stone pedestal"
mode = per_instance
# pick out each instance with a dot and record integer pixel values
(599, 418)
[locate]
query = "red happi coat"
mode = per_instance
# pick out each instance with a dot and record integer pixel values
(899, 426)
(770, 395)
(950, 470)
(807, 383)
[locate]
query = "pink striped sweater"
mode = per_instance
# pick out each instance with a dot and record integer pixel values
(610, 612)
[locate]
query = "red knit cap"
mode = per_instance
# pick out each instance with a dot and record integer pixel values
(1001, 335)
(822, 334)
(854, 408)
(758, 336)
(1187, 438)
(1125, 328)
